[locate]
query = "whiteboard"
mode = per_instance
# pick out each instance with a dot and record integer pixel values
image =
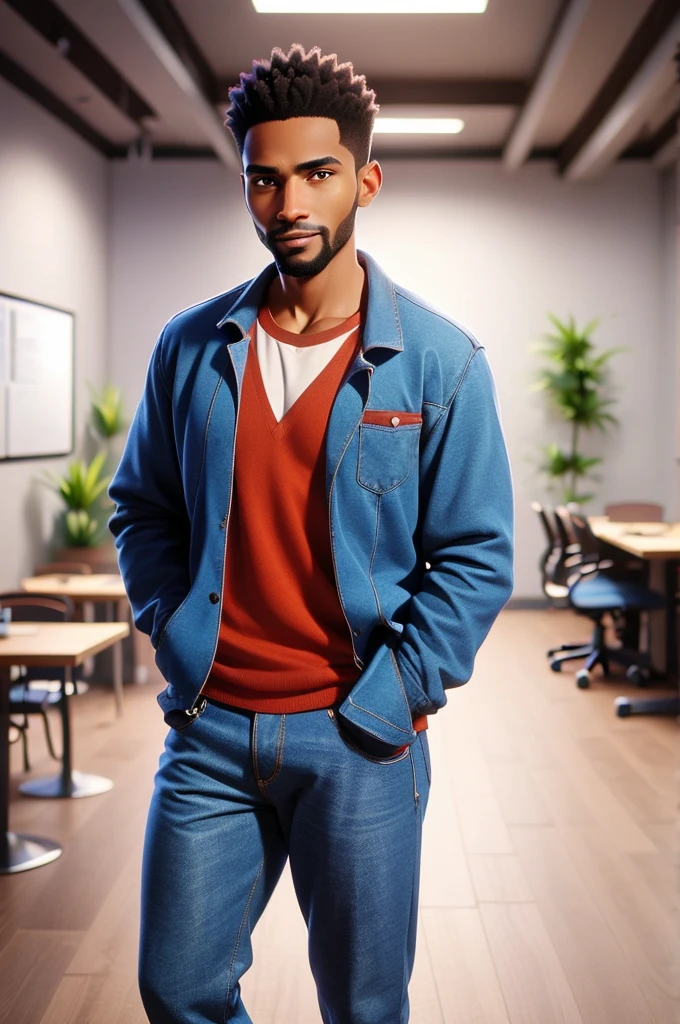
(36, 379)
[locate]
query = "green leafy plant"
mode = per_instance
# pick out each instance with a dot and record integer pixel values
(82, 529)
(106, 412)
(80, 487)
(574, 381)
(82, 484)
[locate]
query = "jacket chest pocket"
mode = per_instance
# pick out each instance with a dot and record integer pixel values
(388, 448)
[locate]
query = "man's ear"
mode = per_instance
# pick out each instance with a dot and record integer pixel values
(243, 184)
(369, 181)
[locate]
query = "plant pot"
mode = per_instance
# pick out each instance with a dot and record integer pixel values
(101, 557)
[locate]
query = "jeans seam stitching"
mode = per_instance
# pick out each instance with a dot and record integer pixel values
(246, 911)
(406, 732)
(255, 762)
(279, 753)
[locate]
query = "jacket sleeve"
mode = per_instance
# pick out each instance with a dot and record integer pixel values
(151, 525)
(466, 537)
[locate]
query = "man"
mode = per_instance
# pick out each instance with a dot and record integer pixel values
(314, 520)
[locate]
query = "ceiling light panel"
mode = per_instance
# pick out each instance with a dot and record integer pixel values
(418, 126)
(370, 6)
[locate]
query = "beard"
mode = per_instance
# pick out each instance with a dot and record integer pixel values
(290, 265)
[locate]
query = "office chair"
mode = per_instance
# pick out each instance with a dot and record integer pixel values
(24, 699)
(562, 564)
(595, 594)
(558, 565)
(552, 561)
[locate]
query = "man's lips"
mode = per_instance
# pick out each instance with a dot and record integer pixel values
(296, 241)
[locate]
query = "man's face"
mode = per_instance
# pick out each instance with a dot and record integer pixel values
(301, 191)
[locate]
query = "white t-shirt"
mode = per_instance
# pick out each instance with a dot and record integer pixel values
(287, 368)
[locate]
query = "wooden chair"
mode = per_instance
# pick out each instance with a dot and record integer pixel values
(23, 699)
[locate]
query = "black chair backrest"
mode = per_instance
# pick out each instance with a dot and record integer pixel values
(552, 539)
(566, 529)
(560, 564)
(586, 539)
(38, 608)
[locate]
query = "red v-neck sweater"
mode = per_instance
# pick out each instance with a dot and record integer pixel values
(284, 644)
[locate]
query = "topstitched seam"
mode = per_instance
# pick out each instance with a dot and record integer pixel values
(246, 911)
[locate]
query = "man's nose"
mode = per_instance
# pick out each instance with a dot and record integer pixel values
(292, 205)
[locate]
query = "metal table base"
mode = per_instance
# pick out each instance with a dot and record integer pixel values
(21, 852)
(55, 786)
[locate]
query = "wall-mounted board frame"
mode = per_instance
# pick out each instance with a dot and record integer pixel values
(37, 379)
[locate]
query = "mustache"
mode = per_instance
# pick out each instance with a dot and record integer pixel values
(285, 229)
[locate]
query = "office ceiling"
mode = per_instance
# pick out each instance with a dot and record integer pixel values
(582, 82)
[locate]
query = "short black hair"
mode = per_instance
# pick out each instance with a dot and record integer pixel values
(299, 84)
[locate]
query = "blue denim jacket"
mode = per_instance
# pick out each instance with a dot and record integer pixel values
(420, 514)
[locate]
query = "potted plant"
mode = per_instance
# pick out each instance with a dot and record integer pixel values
(575, 382)
(83, 522)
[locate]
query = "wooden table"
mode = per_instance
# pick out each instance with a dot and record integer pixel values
(94, 587)
(658, 543)
(66, 644)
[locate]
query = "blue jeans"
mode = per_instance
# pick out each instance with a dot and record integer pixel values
(236, 794)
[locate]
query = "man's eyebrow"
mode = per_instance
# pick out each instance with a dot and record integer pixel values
(308, 165)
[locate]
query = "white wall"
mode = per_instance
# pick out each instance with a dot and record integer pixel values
(53, 249)
(495, 251)
(670, 184)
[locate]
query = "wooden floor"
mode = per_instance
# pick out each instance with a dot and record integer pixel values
(549, 891)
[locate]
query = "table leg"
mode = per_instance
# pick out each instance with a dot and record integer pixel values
(661, 705)
(18, 852)
(69, 783)
(113, 615)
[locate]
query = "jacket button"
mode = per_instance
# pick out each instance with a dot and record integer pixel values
(395, 421)
(356, 632)
(214, 598)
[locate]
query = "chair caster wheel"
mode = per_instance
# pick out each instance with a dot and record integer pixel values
(623, 708)
(583, 679)
(556, 666)
(637, 676)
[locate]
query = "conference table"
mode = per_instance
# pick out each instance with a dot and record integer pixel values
(659, 544)
(49, 644)
(90, 587)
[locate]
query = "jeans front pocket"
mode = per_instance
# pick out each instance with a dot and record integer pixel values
(353, 737)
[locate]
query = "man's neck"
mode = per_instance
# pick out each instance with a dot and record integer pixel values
(308, 305)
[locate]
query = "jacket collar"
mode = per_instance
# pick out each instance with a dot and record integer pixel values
(381, 329)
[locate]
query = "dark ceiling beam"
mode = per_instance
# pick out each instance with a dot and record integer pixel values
(452, 92)
(649, 34)
(168, 40)
(649, 147)
(31, 87)
(52, 24)
(557, 50)
(185, 46)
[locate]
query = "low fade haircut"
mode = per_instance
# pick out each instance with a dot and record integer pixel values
(299, 84)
